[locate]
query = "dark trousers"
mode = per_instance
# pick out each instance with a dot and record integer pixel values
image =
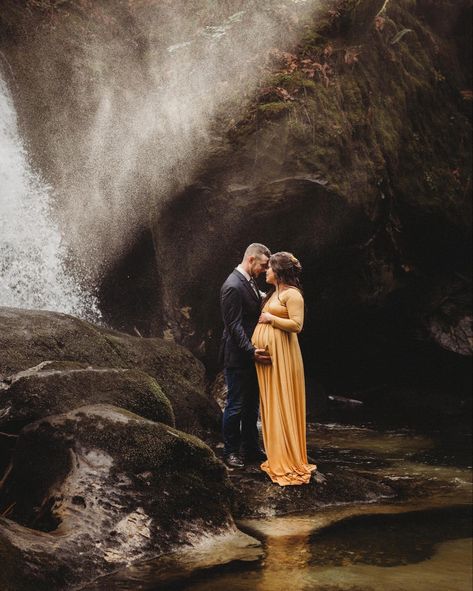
(241, 411)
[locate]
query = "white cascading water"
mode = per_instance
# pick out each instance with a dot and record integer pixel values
(32, 270)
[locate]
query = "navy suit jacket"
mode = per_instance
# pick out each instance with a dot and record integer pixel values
(241, 308)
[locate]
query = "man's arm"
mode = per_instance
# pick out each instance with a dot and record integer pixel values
(232, 318)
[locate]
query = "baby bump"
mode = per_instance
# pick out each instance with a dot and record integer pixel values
(262, 336)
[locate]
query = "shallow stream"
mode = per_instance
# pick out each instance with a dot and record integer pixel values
(422, 542)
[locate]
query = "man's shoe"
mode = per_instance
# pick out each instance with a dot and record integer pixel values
(257, 455)
(233, 461)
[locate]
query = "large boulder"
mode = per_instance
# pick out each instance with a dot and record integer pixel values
(53, 388)
(103, 488)
(28, 338)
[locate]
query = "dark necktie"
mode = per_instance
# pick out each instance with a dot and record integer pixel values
(254, 286)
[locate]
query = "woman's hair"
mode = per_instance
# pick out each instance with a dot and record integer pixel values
(287, 270)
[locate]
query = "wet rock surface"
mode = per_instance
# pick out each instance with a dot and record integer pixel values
(98, 488)
(256, 496)
(361, 466)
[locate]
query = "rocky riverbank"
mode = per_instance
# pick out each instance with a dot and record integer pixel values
(95, 474)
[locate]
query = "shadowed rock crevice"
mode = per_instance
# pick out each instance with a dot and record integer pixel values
(131, 290)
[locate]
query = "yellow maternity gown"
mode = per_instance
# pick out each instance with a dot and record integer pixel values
(282, 390)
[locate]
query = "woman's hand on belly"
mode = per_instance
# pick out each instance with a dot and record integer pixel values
(265, 318)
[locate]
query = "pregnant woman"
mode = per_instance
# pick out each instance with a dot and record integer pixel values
(282, 388)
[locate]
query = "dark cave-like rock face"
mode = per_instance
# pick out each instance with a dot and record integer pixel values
(280, 214)
(99, 488)
(366, 176)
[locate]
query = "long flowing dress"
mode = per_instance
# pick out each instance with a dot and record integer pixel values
(282, 390)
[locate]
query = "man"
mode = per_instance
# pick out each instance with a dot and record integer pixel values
(241, 307)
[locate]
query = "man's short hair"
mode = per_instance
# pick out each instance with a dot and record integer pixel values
(257, 250)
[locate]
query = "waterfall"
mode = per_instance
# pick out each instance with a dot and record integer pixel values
(32, 256)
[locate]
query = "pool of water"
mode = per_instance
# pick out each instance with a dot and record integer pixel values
(422, 542)
(428, 550)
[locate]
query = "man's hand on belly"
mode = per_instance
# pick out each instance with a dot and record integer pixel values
(262, 356)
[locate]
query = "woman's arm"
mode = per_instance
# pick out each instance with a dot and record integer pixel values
(295, 310)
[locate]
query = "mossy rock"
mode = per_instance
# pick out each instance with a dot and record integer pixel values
(57, 387)
(292, 81)
(102, 488)
(29, 338)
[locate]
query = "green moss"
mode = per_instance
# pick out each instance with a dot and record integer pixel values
(353, 131)
(354, 104)
(275, 108)
(292, 82)
(281, 79)
(63, 386)
(143, 382)
(308, 83)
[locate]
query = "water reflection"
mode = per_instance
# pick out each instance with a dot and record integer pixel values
(350, 437)
(286, 554)
(448, 570)
(173, 569)
(424, 551)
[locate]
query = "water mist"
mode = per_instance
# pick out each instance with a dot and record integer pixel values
(128, 100)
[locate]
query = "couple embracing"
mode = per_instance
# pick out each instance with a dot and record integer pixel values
(263, 365)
